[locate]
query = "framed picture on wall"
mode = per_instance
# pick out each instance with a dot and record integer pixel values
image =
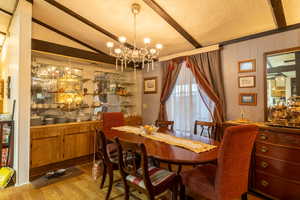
(246, 81)
(248, 99)
(150, 85)
(247, 66)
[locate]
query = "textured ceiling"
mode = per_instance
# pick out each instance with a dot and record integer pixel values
(7, 5)
(208, 21)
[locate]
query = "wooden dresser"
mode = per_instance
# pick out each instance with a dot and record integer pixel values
(275, 170)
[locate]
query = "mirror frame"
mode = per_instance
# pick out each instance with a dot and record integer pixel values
(265, 74)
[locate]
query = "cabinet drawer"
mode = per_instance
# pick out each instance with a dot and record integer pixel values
(72, 129)
(45, 132)
(276, 187)
(84, 128)
(277, 151)
(285, 139)
(278, 167)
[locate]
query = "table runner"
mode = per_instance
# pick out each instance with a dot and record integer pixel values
(192, 145)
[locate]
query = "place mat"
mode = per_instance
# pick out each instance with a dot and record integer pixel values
(192, 145)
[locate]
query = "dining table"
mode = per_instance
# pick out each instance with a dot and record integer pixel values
(167, 153)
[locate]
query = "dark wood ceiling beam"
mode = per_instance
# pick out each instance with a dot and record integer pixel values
(278, 13)
(5, 11)
(261, 34)
(57, 49)
(67, 36)
(84, 20)
(161, 12)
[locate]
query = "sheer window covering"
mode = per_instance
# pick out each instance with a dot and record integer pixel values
(185, 105)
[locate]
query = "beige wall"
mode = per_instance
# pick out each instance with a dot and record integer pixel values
(151, 102)
(231, 54)
(15, 62)
(251, 49)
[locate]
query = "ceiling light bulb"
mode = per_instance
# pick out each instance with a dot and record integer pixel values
(147, 40)
(122, 39)
(109, 44)
(152, 51)
(159, 46)
(118, 51)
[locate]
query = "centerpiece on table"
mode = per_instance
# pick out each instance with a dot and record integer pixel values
(149, 129)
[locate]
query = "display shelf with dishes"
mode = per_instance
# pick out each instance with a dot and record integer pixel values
(115, 92)
(57, 95)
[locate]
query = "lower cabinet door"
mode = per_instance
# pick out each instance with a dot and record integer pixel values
(45, 151)
(76, 145)
(277, 187)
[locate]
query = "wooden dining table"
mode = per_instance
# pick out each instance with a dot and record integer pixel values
(168, 153)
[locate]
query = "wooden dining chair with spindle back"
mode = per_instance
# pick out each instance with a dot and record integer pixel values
(165, 124)
(109, 158)
(206, 127)
(149, 180)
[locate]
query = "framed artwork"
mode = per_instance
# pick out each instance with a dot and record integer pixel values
(247, 66)
(150, 85)
(246, 81)
(248, 99)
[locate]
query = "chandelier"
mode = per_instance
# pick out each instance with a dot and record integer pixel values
(126, 54)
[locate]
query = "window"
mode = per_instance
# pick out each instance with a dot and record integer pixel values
(185, 105)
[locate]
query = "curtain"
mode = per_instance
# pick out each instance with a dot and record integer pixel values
(170, 73)
(206, 68)
(185, 105)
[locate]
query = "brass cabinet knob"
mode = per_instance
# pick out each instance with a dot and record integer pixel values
(264, 164)
(263, 137)
(264, 149)
(264, 183)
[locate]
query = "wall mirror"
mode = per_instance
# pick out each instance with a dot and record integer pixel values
(283, 87)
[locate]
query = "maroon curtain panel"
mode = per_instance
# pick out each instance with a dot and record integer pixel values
(206, 68)
(170, 73)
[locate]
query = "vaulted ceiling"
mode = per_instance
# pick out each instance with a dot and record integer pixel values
(179, 25)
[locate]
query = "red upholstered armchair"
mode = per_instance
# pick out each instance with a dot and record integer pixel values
(228, 179)
(112, 119)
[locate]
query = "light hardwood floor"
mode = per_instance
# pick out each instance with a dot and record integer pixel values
(82, 187)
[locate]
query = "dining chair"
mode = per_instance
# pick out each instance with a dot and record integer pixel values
(112, 119)
(149, 180)
(165, 124)
(109, 156)
(229, 178)
(206, 127)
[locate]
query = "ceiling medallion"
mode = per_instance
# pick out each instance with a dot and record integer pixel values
(126, 54)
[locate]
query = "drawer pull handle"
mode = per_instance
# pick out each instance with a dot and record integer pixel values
(264, 149)
(264, 183)
(263, 137)
(264, 164)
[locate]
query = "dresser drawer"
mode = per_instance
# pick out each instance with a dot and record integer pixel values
(276, 167)
(277, 152)
(285, 139)
(276, 187)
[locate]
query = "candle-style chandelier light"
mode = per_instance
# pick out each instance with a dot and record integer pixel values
(126, 55)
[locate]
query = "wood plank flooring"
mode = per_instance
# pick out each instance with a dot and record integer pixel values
(82, 187)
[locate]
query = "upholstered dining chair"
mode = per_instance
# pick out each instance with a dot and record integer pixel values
(137, 173)
(228, 179)
(165, 124)
(109, 156)
(206, 127)
(112, 119)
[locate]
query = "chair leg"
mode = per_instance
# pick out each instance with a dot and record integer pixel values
(111, 182)
(126, 191)
(244, 196)
(103, 176)
(182, 192)
(174, 192)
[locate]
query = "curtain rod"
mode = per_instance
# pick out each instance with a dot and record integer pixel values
(189, 53)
